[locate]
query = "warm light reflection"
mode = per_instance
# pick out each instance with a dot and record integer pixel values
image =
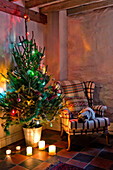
(86, 45)
(3, 70)
(69, 106)
(1, 90)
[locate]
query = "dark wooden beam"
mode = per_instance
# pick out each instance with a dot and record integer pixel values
(39, 3)
(66, 5)
(19, 11)
(12, 0)
(90, 7)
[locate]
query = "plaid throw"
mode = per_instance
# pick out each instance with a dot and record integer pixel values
(90, 124)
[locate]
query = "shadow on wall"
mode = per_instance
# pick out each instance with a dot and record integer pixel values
(97, 92)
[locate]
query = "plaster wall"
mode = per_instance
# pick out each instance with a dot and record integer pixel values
(90, 53)
(52, 46)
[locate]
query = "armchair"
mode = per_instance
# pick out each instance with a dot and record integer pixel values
(77, 96)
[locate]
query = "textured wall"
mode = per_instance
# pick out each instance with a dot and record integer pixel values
(52, 47)
(90, 53)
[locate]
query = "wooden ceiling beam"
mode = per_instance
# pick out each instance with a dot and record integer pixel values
(66, 5)
(12, 0)
(90, 7)
(40, 3)
(19, 11)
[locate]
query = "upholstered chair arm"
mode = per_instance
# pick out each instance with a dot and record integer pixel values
(65, 117)
(99, 110)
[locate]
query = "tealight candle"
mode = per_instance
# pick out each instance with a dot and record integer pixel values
(29, 150)
(52, 150)
(8, 152)
(18, 148)
(41, 145)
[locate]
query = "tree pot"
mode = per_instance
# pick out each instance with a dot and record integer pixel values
(32, 136)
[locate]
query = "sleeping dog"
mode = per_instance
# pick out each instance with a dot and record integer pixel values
(86, 114)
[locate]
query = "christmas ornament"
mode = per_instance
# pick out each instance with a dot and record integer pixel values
(30, 73)
(37, 122)
(33, 52)
(28, 19)
(18, 99)
(41, 78)
(25, 16)
(44, 83)
(51, 125)
(28, 33)
(13, 112)
(40, 98)
(19, 44)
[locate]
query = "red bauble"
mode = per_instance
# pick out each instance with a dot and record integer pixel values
(25, 16)
(41, 78)
(13, 112)
(18, 99)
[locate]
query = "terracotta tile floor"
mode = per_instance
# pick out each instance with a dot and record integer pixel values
(87, 152)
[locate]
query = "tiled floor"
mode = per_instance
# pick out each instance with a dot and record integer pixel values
(87, 152)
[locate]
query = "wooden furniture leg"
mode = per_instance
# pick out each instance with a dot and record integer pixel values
(69, 142)
(107, 138)
(61, 132)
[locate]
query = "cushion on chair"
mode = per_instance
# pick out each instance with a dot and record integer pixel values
(72, 88)
(89, 124)
(74, 93)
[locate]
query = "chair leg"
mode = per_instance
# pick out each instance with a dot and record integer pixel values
(62, 131)
(107, 138)
(69, 142)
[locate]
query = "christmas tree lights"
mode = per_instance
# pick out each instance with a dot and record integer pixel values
(30, 100)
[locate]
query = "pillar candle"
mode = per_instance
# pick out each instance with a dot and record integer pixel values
(8, 152)
(52, 150)
(18, 148)
(41, 145)
(29, 150)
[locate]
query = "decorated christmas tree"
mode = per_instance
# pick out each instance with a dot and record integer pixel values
(29, 99)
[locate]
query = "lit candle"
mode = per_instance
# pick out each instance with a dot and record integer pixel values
(41, 145)
(8, 152)
(52, 150)
(18, 148)
(29, 150)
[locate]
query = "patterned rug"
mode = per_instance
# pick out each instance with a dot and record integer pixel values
(63, 166)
